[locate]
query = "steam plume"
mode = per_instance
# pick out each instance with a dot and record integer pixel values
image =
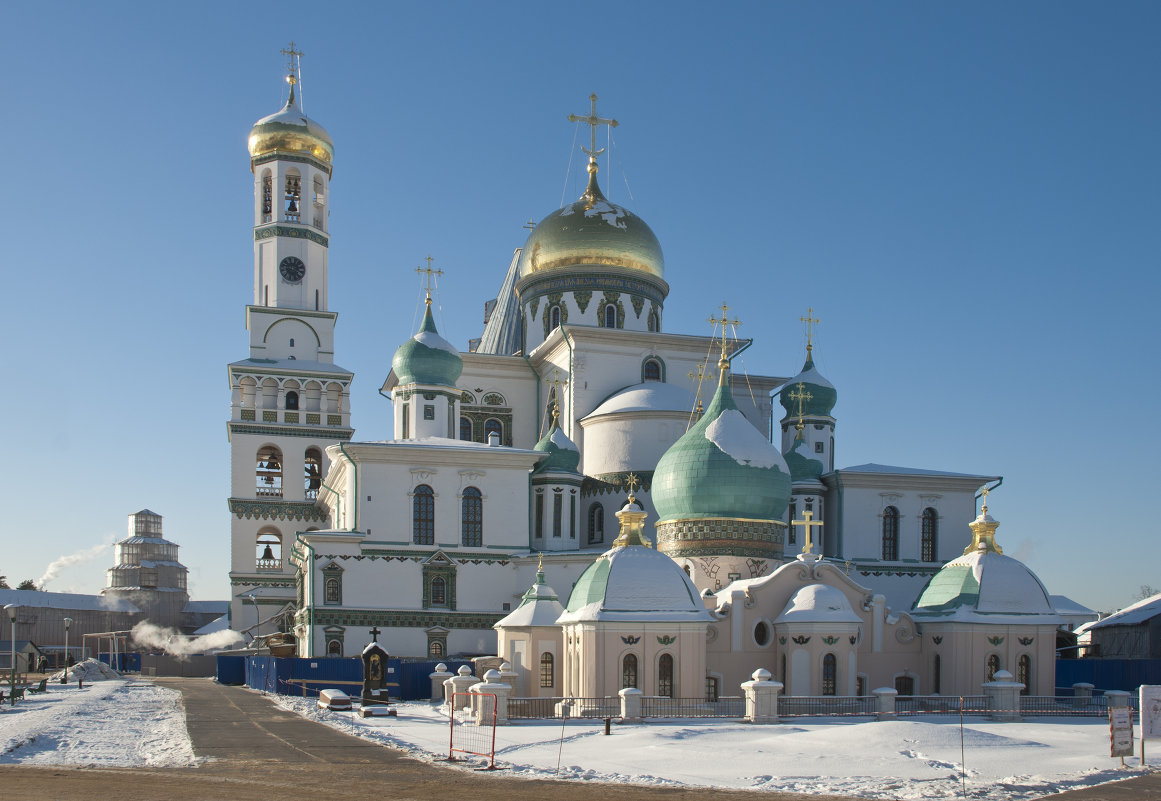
(174, 643)
(80, 557)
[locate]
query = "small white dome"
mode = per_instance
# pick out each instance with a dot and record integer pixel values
(818, 603)
(634, 583)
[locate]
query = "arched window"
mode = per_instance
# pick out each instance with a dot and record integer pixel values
(829, 674)
(610, 316)
(1024, 673)
(653, 326)
(993, 666)
(890, 534)
(269, 548)
(665, 676)
(465, 429)
(493, 426)
(438, 591)
(333, 592)
(937, 675)
(334, 648)
(312, 472)
(267, 197)
(651, 370)
(292, 401)
(473, 517)
(292, 196)
(423, 516)
(554, 318)
(929, 541)
(629, 671)
(435, 648)
(712, 688)
(596, 523)
(268, 473)
(547, 673)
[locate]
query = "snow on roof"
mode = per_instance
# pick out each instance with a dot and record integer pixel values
(651, 396)
(1129, 616)
(204, 607)
(214, 626)
(818, 603)
(433, 340)
(983, 584)
(304, 365)
(540, 607)
(1066, 606)
(739, 440)
(65, 600)
(811, 376)
(561, 440)
(871, 467)
(639, 584)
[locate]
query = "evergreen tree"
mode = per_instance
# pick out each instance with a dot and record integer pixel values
(4, 583)
(27, 584)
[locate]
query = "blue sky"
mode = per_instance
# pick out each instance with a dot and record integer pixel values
(966, 194)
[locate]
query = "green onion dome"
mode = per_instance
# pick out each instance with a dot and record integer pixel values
(722, 467)
(803, 464)
(563, 455)
(822, 393)
(592, 233)
(427, 358)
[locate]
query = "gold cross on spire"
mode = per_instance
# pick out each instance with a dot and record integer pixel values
(429, 273)
(633, 482)
(592, 120)
(723, 322)
(292, 67)
(807, 523)
(810, 320)
(801, 396)
(984, 493)
(555, 396)
(699, 374)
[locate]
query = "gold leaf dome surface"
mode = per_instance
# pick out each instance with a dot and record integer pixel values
(291, 131)
(592, 232)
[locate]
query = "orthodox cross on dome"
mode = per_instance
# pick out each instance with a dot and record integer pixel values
(799, 395)
(633, 482)
(984, 493)
(807, 523)
(555, 397)
(429, 273)
(530, 224)
(810, 320)
(592, 120)
(723, 322)
(374, 629)
(699, 374)
(293, 66)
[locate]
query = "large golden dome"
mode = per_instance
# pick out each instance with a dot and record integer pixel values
(290, 131)
(592, 232)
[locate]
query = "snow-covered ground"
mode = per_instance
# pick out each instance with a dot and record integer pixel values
(905, 759)
(113, 723)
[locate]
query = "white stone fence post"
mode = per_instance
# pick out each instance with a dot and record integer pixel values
(885, 702)
(630, 704)
(460, 684)
(1003, 696)
(1081, 694)
(1117, 698)
(438, 678)
(482, 700)
(761, 697)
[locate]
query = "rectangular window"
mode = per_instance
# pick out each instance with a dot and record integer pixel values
(405, 416)
(572, 516)
(557, 507)
(539, 515)
(818, 447)
(428, 412)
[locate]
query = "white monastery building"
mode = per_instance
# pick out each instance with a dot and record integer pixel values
(694, 537)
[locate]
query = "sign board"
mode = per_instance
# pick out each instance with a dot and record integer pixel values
(1121, 732)
(1150, 712)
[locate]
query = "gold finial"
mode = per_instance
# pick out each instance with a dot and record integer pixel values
(810, 320)
(633, 482)
(632, 519)
(540, 564)
(429, 273)
(292, 68)
(592, 120)
(807, 523)
(699, 374)
(555, 397)
(984, 530)
(724, 362)
(985, 492)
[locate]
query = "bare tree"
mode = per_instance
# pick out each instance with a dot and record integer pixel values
(1146, 591)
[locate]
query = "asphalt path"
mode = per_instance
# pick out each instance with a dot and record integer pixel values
(253, 750)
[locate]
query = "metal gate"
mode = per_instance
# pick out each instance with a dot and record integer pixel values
(473, 729)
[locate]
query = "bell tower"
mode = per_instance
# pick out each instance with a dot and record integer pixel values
(289, 400)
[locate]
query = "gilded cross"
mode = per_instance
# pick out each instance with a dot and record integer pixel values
(807, 523)
(800, 396)
(699, 374)
(723, 322)
(633, 483)
(984, 494)
(429, 272)
(292, 56)
(592, 120)
(810, 320)
(555, 396)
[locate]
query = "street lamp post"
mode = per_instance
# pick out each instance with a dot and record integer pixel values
(11, 610)
(64, 676)
(257, 616)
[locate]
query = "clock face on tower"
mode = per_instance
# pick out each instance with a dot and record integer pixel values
(292, 269)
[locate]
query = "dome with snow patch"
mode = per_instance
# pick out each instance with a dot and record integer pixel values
(722, 467)
(427, 358)
(809, 381)
(538, 607)
(818, 603)
(563, 455)
(801, 461)
(984, 585)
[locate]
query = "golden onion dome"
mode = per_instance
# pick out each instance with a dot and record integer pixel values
(290, 131)
(592, 232)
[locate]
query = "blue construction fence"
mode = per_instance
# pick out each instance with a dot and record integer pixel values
(305, 677)
(1108, 674)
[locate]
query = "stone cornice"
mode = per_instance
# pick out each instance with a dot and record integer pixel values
(246, 508)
